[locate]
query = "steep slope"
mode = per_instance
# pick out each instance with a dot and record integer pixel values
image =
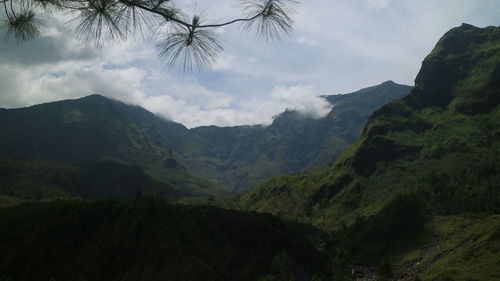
(94, 128)
(243, 156)
(150, 240)
(435, 152)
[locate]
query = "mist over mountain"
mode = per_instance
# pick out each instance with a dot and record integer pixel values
(241, 157)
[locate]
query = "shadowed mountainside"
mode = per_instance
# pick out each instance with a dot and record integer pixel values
(149, 239)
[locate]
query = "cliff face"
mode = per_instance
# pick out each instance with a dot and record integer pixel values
(459, 79)
(462, 72)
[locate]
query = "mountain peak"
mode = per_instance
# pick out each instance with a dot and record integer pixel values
(458, 59)
(468, 26)
(93, 96)
(97, 98)
(387, 83)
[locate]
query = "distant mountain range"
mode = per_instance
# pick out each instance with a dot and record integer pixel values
(243, 156)
(200, 161)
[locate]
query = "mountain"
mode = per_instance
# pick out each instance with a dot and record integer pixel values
(149, 239)
(94, 129)
(420, 187)
(241, 157)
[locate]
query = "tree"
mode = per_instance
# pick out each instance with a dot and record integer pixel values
(180, 38)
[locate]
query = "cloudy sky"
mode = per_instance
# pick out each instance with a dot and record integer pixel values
(338, 46)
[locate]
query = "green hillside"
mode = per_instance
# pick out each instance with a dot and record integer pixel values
(432, 155)
(95, 128)
(149, 239)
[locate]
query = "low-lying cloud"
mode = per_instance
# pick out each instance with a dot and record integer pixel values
(68, 69)
(130, 84)
(303, 99)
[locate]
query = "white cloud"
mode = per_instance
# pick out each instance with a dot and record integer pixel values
(249, 112)
(111, 72)
(303, 99)
(129, 84)
(193, 115)
(73, 80)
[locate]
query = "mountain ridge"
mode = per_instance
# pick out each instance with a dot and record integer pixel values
(293, 142)
(233, 158)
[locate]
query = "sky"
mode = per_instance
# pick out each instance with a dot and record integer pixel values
(338, 46)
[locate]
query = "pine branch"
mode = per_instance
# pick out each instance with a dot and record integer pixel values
(186, 39)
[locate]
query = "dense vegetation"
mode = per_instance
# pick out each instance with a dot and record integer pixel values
(150, 239)
(433, 153)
